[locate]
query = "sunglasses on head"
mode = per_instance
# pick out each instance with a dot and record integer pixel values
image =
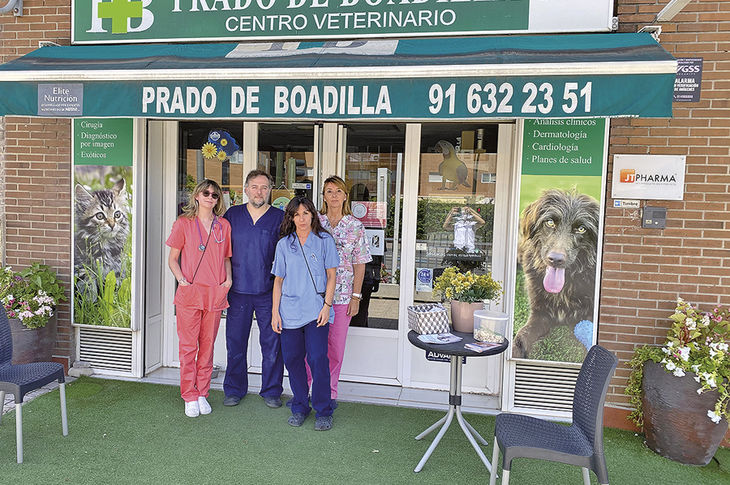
(207, 193)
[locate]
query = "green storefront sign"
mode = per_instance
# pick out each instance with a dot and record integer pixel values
(437, 98)
(137, 20)
(104, 142)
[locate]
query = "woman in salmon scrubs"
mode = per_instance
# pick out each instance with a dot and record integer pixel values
(200, 259)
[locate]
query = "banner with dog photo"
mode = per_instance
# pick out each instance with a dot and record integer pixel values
(102, 194)
(561, 189)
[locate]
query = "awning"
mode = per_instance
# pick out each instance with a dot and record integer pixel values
(586, 75)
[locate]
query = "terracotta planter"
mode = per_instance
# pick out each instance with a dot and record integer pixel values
(33, 344)
(462, 315)
(675, 417)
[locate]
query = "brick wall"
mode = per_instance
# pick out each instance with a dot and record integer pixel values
(644, 271)
(35, 161)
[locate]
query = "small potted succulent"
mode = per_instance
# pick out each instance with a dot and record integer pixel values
(680, 391)
(29, 298)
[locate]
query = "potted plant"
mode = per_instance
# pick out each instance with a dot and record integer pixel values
(680, 391)
(30, 298)
(468, 292)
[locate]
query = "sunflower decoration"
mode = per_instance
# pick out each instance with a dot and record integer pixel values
(209, 150)
(220, 145)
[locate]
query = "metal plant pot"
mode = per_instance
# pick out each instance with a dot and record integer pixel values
(675, 417)
(33, 344)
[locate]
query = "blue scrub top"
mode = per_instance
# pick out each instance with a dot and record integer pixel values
(300, 303)
(253, 248)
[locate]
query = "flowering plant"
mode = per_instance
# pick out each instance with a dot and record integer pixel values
(696, 343)
(467, 287)
(30, 295)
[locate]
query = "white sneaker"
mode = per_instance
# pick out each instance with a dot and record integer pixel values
(191, 409)
(203, 405)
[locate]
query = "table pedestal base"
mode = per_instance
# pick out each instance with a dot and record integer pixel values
(454, 409)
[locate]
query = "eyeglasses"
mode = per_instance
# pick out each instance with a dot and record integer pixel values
(207, 193)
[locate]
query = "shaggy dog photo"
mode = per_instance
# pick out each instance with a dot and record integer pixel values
(557, 251)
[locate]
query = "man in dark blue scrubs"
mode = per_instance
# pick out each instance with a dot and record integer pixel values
(254, 234)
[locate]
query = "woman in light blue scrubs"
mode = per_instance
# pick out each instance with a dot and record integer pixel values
(304, 270)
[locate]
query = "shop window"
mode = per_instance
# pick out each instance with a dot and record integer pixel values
(286, 151)
(456, 193)
(225, 166)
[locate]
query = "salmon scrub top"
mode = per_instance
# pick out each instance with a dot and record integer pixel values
(206, 292)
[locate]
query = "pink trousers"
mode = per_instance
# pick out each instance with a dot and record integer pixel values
(196, 330)
(335, 347)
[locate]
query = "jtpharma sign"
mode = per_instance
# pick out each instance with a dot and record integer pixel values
(125, 21)
(648, 177)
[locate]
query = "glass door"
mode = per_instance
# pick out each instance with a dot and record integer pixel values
(197, 161)
(371, 164)
(457, 188)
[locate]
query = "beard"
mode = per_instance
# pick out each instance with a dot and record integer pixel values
(257, 204)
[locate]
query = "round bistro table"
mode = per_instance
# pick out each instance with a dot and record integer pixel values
(455, 351)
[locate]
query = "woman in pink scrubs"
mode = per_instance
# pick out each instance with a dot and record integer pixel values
(200, 259)
(353, 250)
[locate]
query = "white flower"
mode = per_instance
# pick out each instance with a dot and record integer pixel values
(690, 323)
(670, 365)
(714, 417)
(699, 391)
(695, 368)
(42, 298)
(684, 353)
(44, 310)
(713, 352)
(25, 314)
(666, 350)
(711, 382)
(670, 344)
(696, 378)
(705, 320)
(723, 346)
(678, 372)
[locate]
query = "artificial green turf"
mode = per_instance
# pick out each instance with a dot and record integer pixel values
(128, 432)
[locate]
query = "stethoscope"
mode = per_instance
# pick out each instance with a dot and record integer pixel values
(212, 232)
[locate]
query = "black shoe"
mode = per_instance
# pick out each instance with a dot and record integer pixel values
(231, 400)
(323, 423)
(296, 419)
(273, 402)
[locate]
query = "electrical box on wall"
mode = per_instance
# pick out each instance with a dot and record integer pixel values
(654, 218)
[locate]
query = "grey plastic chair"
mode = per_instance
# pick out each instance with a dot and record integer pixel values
(20, 379)
(579, 444)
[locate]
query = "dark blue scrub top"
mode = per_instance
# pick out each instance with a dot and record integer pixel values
(254, 246)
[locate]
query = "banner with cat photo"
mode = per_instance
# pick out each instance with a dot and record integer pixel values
(561, 188)
(102, 200)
